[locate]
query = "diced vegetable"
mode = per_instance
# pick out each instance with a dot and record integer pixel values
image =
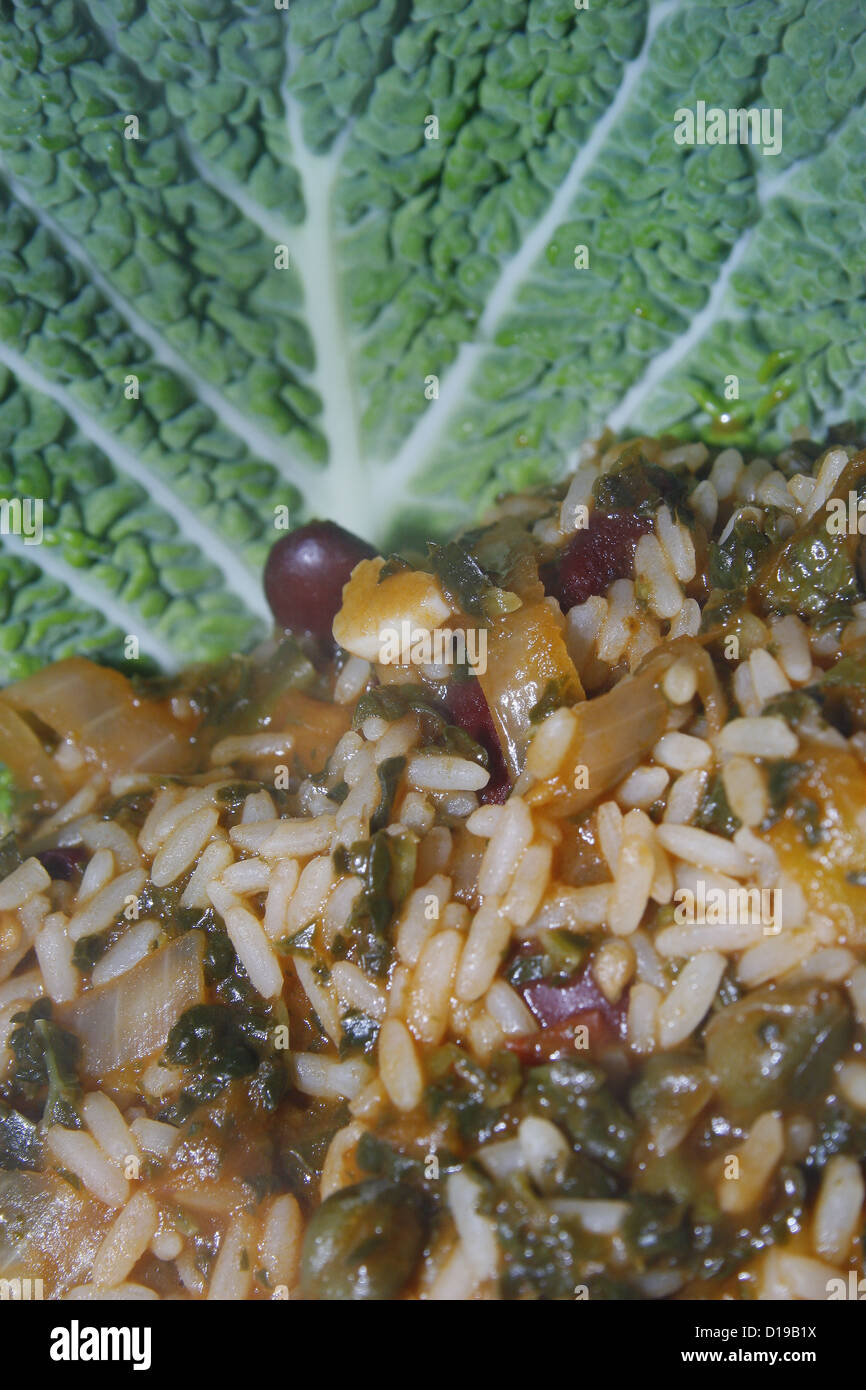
(614, 733)
(30, 767)
(131, 1017)
(50, 1230)
(618, 730)
(98, 708)
(526, 652)
(20, 1144)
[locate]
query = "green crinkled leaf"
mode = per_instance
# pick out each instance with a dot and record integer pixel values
(431, 341)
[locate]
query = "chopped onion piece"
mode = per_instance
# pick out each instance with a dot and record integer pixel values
(130, 1018)
(99, 709)
(526, 659)
(614, 733)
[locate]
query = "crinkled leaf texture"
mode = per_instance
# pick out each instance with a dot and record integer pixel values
(414, 263)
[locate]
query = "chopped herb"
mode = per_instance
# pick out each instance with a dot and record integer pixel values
(507, 552)
(358, 1033)
(465, 583)
(10, 855)
(525, 969)
(807, 814)
(394, 564)
(546, 1255)
(460, 744)
(641, 487)
(338, 793)
(72, 1178)
(714, 812)
(386, 866)
(564, 952)
(304, 1137)
(842, 694)
(793, 705)
(219, 1044)
(220, 957)
(300, 943)
(782, 777)
(578, 1097)
(559, 690)
(241, 695)
(471, 1098)
(564, 949)
(89, 949)
(814, 575)
(234, 794)
(389, 773)
(657, 1230)
(374, 1155)
(391, 702)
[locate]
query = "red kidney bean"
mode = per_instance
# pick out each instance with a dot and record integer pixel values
(468, 708)
(305, 573)
(62, 863)
(595, 557)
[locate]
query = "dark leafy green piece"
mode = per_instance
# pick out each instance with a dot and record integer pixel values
(220, 956)
(303, 1137)
(221, 1043)
(471, 1098)
(364, 1242)
(672, 1090)
(89, 950)
(814, 576)
(386, 866)
(301, 942)
(546, 1257)
(714, 812)
(465, 583)
(391, 702)
(389, 773)
(10, 854)
(578, 1097)
(733, 562)
(641, 487)
(775, 1048)
(46, 1061)
(358, 1033)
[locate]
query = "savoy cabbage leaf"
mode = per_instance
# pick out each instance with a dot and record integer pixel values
(321, 257)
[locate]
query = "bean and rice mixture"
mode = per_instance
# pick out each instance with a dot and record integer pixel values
(324, 975)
